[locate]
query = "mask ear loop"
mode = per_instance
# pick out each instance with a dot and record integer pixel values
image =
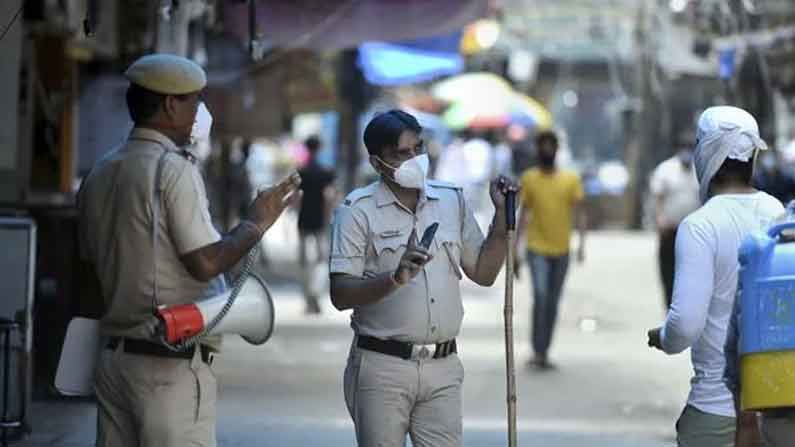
(389, 166)
(381, 160)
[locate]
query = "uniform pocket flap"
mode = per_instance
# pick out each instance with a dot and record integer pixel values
(389, 242)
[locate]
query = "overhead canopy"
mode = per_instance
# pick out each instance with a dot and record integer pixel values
(498, 112)
(485, 100)
(471, 86)
(331, 25)
(411, 62)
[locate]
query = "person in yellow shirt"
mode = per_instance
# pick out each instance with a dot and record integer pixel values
(550, 199)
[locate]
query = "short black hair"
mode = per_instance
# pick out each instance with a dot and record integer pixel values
(546, 135)
(733, 171)
(143, 103)
(385, 128)
(312, 143)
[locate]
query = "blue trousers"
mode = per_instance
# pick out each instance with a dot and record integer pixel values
(548, 274)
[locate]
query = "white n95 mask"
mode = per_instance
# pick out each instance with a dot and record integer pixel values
(412, 173)
(201, 125)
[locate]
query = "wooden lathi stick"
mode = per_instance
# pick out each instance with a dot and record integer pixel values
(510, 208)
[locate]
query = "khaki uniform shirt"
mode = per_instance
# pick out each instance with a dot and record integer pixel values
(115, 206)
(369, 235)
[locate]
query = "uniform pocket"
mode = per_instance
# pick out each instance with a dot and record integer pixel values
(388, 249)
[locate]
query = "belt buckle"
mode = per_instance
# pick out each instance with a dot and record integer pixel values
(420, 352)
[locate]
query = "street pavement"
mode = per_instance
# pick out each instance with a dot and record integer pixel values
(609, 389)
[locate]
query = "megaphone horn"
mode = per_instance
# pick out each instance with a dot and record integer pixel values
(251, 316)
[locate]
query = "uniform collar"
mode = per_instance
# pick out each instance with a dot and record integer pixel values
(384, 196)
(144, 133)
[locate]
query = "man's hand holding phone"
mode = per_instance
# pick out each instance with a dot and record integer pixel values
(415, 257)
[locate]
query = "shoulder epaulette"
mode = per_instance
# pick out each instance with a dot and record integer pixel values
(187, 155)
(358, 194)
(442, 184)
(181, 157)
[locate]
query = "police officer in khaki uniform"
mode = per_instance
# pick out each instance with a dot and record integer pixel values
(403, 374)
(147, 394)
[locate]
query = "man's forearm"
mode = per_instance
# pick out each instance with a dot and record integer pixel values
(210, 261)
(349, 291)
(492, 253)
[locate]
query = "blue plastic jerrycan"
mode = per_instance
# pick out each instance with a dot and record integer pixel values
(767, 319)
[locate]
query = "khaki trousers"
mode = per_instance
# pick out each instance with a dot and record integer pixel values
(389, 397)
(148, 401)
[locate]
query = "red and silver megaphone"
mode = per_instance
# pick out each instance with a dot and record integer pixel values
(251, 316)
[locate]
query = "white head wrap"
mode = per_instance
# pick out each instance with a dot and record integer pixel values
(723, 132)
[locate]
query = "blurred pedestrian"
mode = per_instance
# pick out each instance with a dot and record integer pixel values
(478, 153)
(452, 165)
(551, 200)
(500, 158)
(675, 189)
(705, 281)
(403, 374)
(522, 151)
(772, 178)
(145, 230)
(313, 217)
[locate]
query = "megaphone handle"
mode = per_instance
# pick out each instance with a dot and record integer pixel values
(180, 322)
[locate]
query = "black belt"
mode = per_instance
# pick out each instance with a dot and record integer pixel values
(403, 349)
(143, 347)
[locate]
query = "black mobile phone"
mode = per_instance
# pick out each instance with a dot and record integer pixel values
(427, 236)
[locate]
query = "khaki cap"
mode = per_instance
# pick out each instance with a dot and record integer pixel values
(167, 74)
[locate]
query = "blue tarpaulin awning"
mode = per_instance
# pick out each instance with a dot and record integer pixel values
(410, 62)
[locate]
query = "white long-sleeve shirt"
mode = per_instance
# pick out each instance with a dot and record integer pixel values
(705, 283)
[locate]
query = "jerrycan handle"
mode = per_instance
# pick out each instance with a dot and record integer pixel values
(776, 230)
